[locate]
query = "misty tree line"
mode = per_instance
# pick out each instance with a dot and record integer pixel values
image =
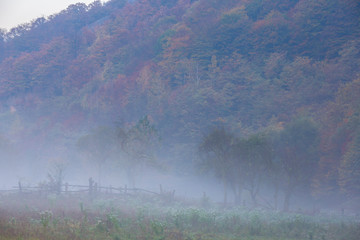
(187, 64)
(282, 159)
(131, 146)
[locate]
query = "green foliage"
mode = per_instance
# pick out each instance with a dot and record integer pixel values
(45, 218)
(153, 221)
(216, 148)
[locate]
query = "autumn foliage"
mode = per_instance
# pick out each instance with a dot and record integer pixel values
(190, 64)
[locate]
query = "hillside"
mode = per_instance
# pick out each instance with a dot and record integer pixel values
(188, 65)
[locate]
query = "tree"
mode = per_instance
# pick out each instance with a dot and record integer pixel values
(298, 153)
(348, 128)
(340, 129)
(98, 146)
(216, 155)
(55, 175)
(275, 173)
(138, 144)
(349, 179)
(2, 42)
(254, 155)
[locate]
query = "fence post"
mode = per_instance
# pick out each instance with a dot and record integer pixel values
(91, 183)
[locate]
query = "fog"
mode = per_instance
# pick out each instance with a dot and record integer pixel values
(31, 164)
(32, 168)
(110, 178)
(191, 119)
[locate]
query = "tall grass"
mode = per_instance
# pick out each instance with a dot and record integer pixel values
(139, 217)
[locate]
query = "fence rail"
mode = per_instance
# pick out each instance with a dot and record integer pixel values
(93, 189)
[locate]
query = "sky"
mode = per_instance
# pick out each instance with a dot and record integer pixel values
(15, 12)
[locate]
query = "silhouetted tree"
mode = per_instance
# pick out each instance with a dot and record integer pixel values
(56, 175)
(254, 155)
(98, 146)
(298, 152)
(216, 155)
(138, 145)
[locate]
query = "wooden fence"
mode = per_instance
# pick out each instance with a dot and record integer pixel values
(92, 189)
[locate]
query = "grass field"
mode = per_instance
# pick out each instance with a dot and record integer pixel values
(153, 218)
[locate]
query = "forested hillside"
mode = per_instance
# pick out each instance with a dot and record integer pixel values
(189, 66)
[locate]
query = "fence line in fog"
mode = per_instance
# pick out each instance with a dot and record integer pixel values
(92, 189)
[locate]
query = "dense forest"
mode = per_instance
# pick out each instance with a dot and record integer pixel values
(262, 93)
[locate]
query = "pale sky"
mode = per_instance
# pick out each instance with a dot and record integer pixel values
(15, 12)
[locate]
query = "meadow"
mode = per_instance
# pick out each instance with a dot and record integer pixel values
(141, 216)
